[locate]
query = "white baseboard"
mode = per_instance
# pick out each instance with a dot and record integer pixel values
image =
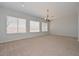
(5, 41)
(65, 36)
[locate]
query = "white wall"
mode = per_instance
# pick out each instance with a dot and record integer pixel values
(66, 25)
(78, 27)
(78, 23)
(4, 37)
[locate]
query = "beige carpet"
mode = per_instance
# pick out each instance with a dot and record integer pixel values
(41, 46)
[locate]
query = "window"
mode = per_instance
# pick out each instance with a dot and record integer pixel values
(44, 26)
(34, 26)
(21, 25)
(16, 25)
(11, 24)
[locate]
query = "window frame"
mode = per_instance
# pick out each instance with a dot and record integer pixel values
(7, 26)
(43, 28)
(25, 25)
(17, 25)
(34, 30)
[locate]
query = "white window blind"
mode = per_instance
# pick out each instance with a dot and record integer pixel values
(16, 25)
(21, 25)
(44, 27)
(34, 26)
(11, 25)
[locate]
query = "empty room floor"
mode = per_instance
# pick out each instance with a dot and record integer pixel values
(41, 46)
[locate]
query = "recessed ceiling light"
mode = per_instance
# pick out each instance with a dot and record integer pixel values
(22, 5)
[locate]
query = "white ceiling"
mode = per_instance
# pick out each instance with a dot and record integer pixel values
(57, 9)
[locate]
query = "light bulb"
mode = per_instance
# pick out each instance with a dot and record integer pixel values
(45, 18)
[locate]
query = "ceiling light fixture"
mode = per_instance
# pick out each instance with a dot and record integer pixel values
(47, 18)
(22, 4)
